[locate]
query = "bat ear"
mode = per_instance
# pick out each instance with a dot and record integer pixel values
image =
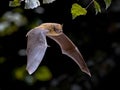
(62, 25)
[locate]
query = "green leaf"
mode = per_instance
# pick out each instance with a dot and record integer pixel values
(77, 10)
(107, 3)
(97, 7)
(15, 3)
(2, 60)
(19, 73)
(43, 74)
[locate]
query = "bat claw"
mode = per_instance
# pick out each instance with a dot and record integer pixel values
(87, 72)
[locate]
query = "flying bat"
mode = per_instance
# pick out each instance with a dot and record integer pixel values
(37, 45)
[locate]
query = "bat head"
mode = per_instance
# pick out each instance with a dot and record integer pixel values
(55, 29)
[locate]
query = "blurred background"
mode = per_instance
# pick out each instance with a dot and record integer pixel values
(96, 36)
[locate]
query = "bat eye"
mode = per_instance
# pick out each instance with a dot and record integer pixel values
(58, 31)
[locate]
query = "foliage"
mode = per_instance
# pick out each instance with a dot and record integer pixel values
(107, 3)
(14, 3)
(29, 4)
(77, 10)
(42, 74)
(97, 7)
(10, 22)
(2, 60)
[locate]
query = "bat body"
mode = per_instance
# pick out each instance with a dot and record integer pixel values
(37, 45)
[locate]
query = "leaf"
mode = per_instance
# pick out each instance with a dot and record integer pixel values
(97, 7)
(19, 73)
(48, 1)
(43, 74)
(107, 3)
(31, 4)
(77, 10)
(2, 60)
(15, 3)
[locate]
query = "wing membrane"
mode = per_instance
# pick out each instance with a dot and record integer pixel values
(69, 49)
(36, 48)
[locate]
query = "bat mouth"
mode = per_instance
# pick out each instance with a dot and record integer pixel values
(53, 34)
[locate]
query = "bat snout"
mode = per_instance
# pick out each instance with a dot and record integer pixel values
(54, 33)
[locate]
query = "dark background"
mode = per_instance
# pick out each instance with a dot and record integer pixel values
(96, 36)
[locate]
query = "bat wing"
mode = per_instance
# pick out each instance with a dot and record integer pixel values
(36, 47)
(69, 49)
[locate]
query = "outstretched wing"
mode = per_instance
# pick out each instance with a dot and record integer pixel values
(36, 47)
(69, 49)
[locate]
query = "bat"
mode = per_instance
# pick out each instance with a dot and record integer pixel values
(37, 45)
